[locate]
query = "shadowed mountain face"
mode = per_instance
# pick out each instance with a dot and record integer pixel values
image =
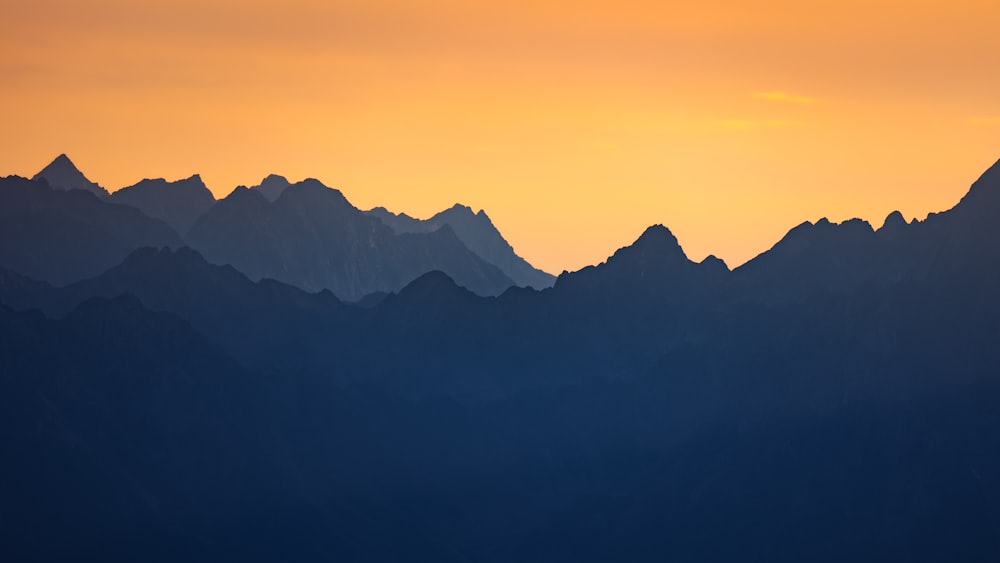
(477, 232)
(312, 237)
(65, 236)
(62, 174)
(836, 399)
(178, 204)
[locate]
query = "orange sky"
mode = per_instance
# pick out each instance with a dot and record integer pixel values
(574, 124)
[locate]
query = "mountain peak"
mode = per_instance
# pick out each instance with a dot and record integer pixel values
(656, 247)
(458, 207)
(178, 204)
(313, 183)
(894, 220)
(431, 288)
(243, 193)
(272, 186)
(657, 237)
(715, 263)
(431, 279)
(62, 174)
(313, 192)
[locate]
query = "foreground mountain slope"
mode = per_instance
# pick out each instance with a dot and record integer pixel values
(140, 440)
(312, 237)
(477, 232)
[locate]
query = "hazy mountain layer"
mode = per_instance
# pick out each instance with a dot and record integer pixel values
(315, 251)
(312, 237)
(477, 232)
(178, 204)
(65, 236)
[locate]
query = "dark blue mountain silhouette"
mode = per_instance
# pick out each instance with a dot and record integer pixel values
(653, 268)
(848, 256)
(477, 232)
(140, 440)
(178, 204)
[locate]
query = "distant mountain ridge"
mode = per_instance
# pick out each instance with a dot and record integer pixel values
(312, 237)
(477, 232)
(320, 253)
(65, 236)
(178, 204)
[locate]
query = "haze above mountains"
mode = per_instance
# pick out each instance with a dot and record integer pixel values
(216, 397)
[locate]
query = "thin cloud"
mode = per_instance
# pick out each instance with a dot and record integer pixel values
(747, 124)
(784, 97)
(985, 121)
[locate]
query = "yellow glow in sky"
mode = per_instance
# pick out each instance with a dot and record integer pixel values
(574, 124)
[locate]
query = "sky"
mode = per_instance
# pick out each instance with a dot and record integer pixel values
(575, 125)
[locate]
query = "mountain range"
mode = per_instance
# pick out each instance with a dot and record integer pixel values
(836, 398)
(65, 236)
(311, 236)
(268, 234)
